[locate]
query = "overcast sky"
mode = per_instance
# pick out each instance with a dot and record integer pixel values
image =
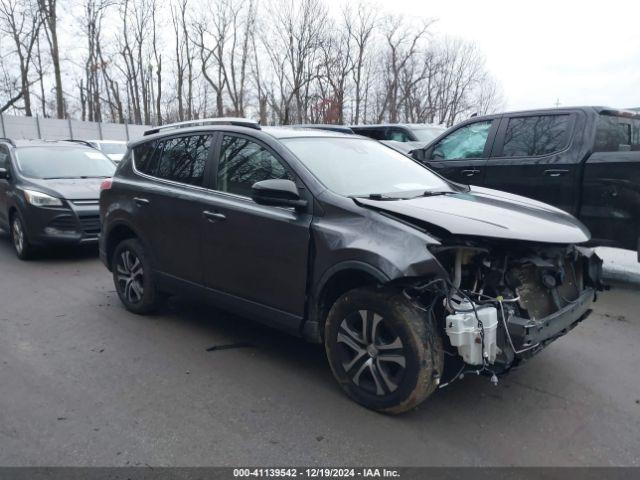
(576, 52)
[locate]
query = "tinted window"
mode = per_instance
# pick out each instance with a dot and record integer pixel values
(353, 166)
(375, 133)
(183, 159)
(63, 162)
(537, 135)
(398, 135)
(243, 163)
(466, 142)
(144, 158)
(617, 134)
(4, 157)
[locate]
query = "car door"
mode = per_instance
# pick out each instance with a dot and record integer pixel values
(169, 202)
(532, 157)
(254, 252)
(5, 161)
(462, 155)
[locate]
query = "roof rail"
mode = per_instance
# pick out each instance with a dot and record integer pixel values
(75, 140)
(239, 122)
(8, 140)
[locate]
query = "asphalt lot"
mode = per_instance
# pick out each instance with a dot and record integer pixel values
(83, 382)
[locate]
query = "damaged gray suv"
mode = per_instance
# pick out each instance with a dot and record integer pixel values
(409, 280)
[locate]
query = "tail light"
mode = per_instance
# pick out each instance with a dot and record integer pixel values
(106, 184)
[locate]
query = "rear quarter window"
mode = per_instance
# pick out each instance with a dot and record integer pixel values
(617, 134)
(144, 158)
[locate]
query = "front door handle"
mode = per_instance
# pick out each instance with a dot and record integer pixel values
(470, 172)
(214, 216)
(555, 172)
(141, 201)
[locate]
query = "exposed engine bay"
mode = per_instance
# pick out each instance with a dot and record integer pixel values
(503, 303)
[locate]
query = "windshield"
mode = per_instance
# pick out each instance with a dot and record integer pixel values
(426, 134)
(63, 162)
(111, 148)
(361, 167)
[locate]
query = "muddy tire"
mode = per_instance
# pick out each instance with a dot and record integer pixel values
(383, 351)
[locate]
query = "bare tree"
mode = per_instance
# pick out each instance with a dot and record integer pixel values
(282, 61)
(360, 30)
(21, 22)
(293, 43)
(48, 11)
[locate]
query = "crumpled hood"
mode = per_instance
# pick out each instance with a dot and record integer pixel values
(483, 212)
(71, 189)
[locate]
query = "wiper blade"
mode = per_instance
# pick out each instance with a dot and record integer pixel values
(75, 178)
(433, 193)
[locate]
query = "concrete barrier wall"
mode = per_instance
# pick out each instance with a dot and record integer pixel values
(15, 127)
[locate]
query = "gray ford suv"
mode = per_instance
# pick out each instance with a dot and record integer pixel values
(49, 193)
(409, 280)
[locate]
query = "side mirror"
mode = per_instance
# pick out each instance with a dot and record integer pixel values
(423, 154)
(4, 174)
(277, 193)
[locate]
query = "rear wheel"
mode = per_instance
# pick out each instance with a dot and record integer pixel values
(382, 350)
(133, 277)
(24, 249)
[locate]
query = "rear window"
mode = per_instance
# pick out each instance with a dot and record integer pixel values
(536, 135)
(617, 134)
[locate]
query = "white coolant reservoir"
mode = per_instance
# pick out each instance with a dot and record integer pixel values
(464, 332)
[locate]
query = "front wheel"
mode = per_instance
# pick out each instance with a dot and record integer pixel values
(24, 249)
(383, 350)
(133, 277)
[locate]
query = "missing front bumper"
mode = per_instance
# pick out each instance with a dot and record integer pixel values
(530, 332)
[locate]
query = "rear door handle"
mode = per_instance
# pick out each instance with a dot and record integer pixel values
(470, 172)
(141, 201)
(214, 216)
(555, 172)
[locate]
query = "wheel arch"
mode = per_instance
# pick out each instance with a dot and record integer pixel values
(336, 281)
(118, 232)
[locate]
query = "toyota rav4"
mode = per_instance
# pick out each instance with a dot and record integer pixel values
(410, 280)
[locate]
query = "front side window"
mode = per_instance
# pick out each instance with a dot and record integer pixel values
(536, 135)
(617, 134)
(63, 162)
(180, 159)
(243, 163)
(466, 142)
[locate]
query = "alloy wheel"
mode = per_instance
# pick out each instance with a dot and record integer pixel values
(18, 235)
(130, 276)
(372, 353)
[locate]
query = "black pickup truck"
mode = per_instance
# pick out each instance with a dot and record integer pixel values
(584, 160)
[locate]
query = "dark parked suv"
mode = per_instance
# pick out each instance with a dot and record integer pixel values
(49, 192)
(408, 279)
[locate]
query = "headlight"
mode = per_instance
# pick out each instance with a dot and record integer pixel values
(39, 199)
